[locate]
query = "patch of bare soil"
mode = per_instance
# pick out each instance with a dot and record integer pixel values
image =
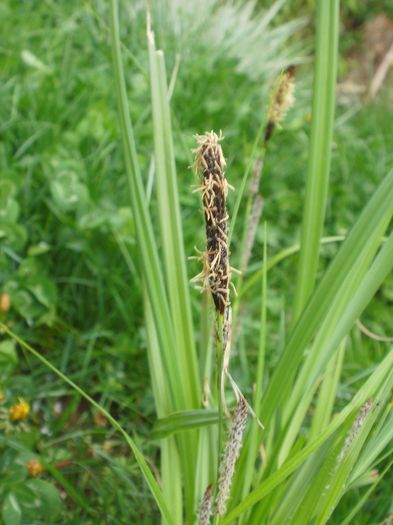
(371, 63)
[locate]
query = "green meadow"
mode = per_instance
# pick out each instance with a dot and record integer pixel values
(127, 396)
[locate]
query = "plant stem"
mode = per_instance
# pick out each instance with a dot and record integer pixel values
(219, 379)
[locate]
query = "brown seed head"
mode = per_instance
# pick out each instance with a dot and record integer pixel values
(210, 164)
(34, 467)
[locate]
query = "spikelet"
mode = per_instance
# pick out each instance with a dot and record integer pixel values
(205, 510)
(210, 164)
(255, 179)
(282, 100)
(231, 455)
(355, 429)
(357, 425)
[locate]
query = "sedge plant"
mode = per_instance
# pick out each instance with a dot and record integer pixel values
(216, 463)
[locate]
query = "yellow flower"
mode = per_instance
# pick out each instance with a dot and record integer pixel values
(34, 467)
(20, 410)
(5, 302)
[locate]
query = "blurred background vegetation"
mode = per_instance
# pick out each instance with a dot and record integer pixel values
(66, 224)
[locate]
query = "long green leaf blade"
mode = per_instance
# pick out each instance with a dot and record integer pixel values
(170, 226)
(320, 148)
(364, 238)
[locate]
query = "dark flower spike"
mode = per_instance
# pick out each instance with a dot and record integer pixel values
(210, 165)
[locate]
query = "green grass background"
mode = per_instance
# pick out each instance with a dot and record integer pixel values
(65, 221)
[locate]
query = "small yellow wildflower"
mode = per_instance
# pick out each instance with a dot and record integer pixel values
(34, 467)
(20, 410)
(5, 302)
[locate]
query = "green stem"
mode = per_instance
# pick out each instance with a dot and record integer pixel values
(219, 379)
(218, 389)
(240, 192)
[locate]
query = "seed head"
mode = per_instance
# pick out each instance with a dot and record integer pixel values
(206, 507)
(357, 425)
(210, 165)
(282, 100)
(34, 467)
(231, 454)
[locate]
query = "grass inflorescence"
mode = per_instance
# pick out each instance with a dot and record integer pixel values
(210, 164)
(95, 277)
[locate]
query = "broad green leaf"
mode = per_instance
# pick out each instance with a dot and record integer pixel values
(13, 235)
(8, 353)
(43, 290)
(48, 496)
(11, 511)
(25, 305)
(67, 191)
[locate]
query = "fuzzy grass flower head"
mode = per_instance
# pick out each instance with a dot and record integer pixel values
(19, 411)
(231, 454)
(282, 99)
